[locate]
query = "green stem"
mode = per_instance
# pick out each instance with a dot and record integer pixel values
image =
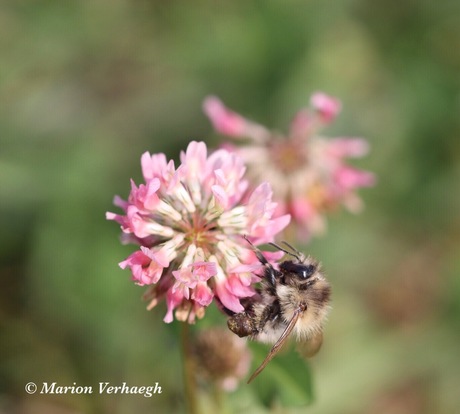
(217, 397)
(189, 378)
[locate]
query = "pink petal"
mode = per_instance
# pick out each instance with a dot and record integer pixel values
(224, 120)
(259, 200)
(237, 288)
(173, 300)
(247, 268)
(327, 106)
(220, 195)
(228, 299)
(227, 122)
(143, 270)
(348, 147)
(158, 256)
(151, 199)
(302, 123)
(137, 224)
(184, 290)
(202, 294)
(153, 166)
(308, 218)
(302, 209)
(119, 202)
(273, 227)
(122, 220)
(195, 156)
(185, 277)
(229, 186)
(204, 270)
(261, 226)
(136, 258)
(144, 197)
(349, 178)
(146, 276)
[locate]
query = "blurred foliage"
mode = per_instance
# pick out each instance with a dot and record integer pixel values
(87, 86)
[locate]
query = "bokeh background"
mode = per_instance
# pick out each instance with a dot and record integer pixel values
(86, 87)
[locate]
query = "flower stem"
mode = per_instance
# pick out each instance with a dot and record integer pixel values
(189, 378)
(218, 399)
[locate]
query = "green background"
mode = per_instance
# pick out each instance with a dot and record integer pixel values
(86, 87)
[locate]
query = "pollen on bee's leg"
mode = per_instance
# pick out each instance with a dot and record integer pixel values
(241, 325)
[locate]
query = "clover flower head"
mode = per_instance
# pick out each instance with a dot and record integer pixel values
(189, 222)
(309, 173)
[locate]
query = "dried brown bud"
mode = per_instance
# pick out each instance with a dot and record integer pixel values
(221, 357)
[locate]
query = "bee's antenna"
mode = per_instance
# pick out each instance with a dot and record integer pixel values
(299, 255)
(270, 271)
(258, 253)
(276, 246)
(294, 252)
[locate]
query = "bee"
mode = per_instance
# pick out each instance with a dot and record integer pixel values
(292, 299)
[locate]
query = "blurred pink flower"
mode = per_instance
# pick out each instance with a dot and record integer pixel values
(308, 173)
(189, 222)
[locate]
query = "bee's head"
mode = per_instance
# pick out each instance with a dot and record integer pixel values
(299, 271)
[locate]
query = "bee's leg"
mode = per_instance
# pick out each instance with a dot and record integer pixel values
(242, 325)
(270, 272)
(270, 275)
(270, 314)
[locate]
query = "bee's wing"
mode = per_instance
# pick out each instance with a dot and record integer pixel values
(279, 343)
(309, 348)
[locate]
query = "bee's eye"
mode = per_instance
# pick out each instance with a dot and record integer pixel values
(305, 271)
(302, 271)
